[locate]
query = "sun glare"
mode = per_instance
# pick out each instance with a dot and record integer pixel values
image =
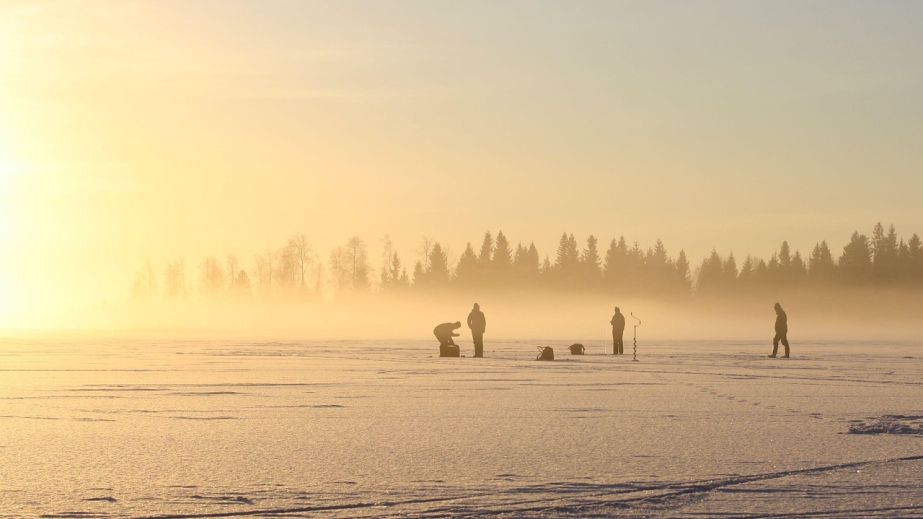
(9, 167)
(9, 170)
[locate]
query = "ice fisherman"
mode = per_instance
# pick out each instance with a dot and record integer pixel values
(618, 328)
(445, 331)
(781, 332)
(478, 324)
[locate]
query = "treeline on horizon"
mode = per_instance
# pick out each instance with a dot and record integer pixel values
(296, 271)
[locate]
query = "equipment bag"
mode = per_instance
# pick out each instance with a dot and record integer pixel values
(449, 350)
(545, 353)
(577, 349)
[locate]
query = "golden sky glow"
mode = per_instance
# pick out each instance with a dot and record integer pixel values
(178, 129)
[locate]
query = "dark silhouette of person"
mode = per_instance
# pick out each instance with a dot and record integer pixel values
(781, 332)
(618, 328)
(478, 324)
(445, 331)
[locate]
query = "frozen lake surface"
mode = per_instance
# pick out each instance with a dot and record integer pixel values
(326, 428)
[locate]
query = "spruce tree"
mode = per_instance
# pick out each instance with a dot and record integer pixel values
(798, 270)
(855, 265)
(615, 263)
(821, 267)
(729, 273)
(532, 268)
(711, 275)
(438, 273)
(466, 272)
(915, 259)
(884, 253)
(419, 275)
(785, 256)
(590, 262)
(487, 249)
(745, 277)
(681, 267)
(502, 258)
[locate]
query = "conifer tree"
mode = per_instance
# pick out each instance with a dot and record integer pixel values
(487, 249)
(485, 271)
(681, 268)
(519, 257)
(531, 265)
(502, 257)
(438, 273)
(729, 272)
(615, 263)
(419, 275)
(884, 253)
(589, 262)
(798, 271)
(634, 269)
(658, 268)
(398, 277)
(711, 275)
(915, 259)
(785, 256)
(745, 277)
(855, 265)
(821, 267)
(466, 273)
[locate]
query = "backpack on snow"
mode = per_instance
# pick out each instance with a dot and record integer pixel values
(577, 349)
(545, 353)
(449, 350)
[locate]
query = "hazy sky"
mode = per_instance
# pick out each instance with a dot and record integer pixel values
(173, 128)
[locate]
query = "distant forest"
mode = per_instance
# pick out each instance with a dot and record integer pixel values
(295, 270)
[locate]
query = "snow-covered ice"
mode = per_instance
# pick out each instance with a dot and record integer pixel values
(217, 428)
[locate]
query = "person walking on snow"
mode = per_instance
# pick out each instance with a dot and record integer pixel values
(781, 332)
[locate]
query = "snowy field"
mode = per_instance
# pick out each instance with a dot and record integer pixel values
(294, 429)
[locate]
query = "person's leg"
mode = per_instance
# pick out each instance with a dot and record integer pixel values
(615, 343)
(478, 344)
(775, 345)
(621, 345)
(785, 343)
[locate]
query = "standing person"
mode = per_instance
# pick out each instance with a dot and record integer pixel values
(781, 332)
(618, 328)
(478, 324)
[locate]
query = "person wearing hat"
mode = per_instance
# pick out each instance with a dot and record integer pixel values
(618, 328)
(478, 324)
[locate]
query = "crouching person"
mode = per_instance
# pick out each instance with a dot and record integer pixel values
(444, 333)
